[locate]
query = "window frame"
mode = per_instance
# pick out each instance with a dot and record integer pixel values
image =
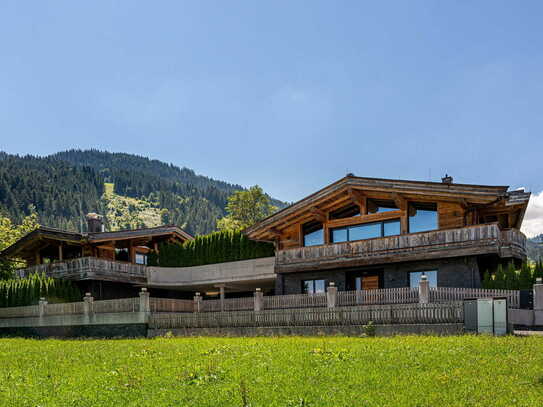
(348, 227)
(313, 283)
(423, 272)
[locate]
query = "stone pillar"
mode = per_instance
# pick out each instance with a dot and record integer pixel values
(88, 304)
(331, 295)
(538, 295)
(197, 302)
(424, 290)
(259, 300)
(145, 303)
(42, 308)
(221, 291)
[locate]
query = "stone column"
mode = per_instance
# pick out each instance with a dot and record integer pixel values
(259, 300)
(221, 291)
(145, 303)
(331, 295)
(538, 295)
(42, 307)
(88, 304)
(197, 302)
(424, 290)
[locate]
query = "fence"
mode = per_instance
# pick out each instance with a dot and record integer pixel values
(171, 305)
(443, 294)
(114, 306)
(404, 295)
(360, 315)
(295, 301)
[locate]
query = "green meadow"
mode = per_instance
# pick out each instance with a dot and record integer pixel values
(285, 371)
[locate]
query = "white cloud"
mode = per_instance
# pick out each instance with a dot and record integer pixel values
(533, 220)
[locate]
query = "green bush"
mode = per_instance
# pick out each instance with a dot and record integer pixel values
(28, 291)
(217, 247)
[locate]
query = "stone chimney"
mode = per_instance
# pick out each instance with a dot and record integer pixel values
(95, 223)
(447, 179)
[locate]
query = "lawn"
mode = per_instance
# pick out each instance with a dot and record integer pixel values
(323, 371)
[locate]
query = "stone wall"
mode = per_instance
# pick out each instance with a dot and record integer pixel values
(462, 272)
(352, 330)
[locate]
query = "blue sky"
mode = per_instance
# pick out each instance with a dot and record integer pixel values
(289, 95)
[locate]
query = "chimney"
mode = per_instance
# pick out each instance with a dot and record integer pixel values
(447, 179)
(95, 223)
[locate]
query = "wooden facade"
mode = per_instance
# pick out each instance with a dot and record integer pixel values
(468, 220)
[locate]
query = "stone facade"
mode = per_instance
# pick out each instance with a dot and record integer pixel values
(452, 272)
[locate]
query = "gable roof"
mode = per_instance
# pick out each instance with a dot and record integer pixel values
(44, 232)
(476, 194)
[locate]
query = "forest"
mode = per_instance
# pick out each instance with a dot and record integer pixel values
(63, 187)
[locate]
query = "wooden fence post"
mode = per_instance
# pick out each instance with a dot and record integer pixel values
(538, 295)
(259, 300)
(197, 302)
(424, 290)
(331, 295)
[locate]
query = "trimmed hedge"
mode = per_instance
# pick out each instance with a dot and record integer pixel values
(18, 292)
(217, 247)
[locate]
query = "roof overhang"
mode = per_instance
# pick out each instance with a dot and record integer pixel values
(411, 190)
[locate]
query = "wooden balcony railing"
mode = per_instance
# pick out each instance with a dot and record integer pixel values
(471, 240)
(90, 268)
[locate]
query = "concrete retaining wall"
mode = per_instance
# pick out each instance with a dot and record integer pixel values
(353, 330)
(77, 331)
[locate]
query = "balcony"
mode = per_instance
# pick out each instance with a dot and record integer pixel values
(91, 268)
(472, 240)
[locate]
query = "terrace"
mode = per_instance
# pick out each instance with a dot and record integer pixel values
(437, 244)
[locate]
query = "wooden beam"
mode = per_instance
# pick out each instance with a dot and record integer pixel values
(400, 201)
(318, 214)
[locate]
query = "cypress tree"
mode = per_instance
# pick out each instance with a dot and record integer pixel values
(499, 278)
(511, 277)
(487, 280)
(525, 277)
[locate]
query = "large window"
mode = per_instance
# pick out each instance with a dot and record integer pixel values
(313, 286)
(141, 258)
(414, 278)
(422, 217)
(365, 231)
(313, 234)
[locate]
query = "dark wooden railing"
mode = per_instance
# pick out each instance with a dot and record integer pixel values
(90, 268)
(480, 239)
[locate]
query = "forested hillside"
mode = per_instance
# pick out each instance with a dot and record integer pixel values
(66, 185)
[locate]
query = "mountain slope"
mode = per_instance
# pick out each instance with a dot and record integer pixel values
(63, 186)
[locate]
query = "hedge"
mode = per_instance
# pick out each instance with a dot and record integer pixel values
(18, 292)
(509, 278)
(217, 247)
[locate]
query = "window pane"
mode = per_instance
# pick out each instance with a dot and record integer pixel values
(141, 258)
(314, 238)
(307, 287)
(319, 286)
(424, 219)
(392, 228)
(369, 231)
(339, 235)
(414, 278)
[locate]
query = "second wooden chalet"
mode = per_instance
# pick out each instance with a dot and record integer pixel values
(367, 233)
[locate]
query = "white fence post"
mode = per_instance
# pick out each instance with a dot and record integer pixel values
(538, 295)
(331, 295)
(88, 309)
(145, 303)
(42, 304)
(259, 300)
(424, 290)
(197, 302)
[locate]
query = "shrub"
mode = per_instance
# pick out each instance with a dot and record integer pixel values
(217, 247)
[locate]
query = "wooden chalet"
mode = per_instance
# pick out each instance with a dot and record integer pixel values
(109, 262)
(366, 233)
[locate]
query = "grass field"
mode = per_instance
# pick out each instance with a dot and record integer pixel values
(401, 371)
